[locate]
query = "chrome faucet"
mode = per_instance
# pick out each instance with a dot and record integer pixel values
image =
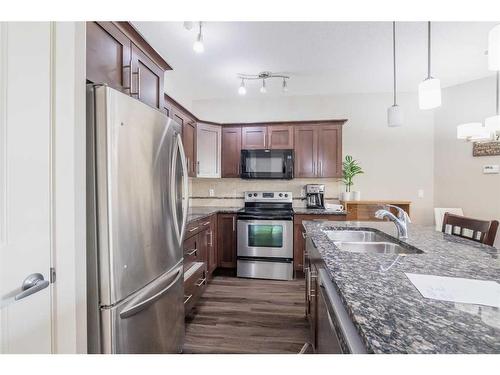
(401, 221)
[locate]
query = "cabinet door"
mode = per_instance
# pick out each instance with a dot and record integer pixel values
(108, 55)
(189, 143)
(212, 245)
(202, 243)
(280, 136)
(253, 137)
(226, 240)
(330, 151)
(231, 151)
(147, 79)
(208, 150)
(306, 151)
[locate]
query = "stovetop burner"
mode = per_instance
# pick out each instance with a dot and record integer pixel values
(267, 206)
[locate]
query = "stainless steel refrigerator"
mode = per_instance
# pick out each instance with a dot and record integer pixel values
(136, 214)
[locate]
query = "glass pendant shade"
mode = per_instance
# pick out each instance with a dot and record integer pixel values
(473, 131)
(395, 116)
(198, 45)
(263, 88)
(429, 93)
(242, 89)
(494, 48)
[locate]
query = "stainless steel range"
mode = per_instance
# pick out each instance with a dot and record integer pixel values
(265, 236)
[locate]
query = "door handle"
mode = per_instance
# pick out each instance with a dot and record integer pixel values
(128, 312)
(32, 284)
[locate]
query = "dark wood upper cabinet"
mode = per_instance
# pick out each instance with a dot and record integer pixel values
(189, 142)
(330, 151)
(318, 150)
(226, 240)
(306, 151)
(280, 137)
(253, 137)
(147, 79)
(108, 55)
(231, 150)
(117, 55)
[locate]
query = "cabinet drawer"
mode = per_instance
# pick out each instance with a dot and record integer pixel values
(197, 226)
(191, 252)
(195, 282)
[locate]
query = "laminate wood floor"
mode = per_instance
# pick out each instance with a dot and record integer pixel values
(248, 316)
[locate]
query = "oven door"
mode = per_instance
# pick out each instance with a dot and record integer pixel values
(267, 164)
(265, 238)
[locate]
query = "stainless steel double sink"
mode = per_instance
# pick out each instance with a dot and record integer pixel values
(364, 241)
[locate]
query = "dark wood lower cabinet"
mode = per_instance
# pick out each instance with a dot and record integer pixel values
(226, 240)
(198, 259)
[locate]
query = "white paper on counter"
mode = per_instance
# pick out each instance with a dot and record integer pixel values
(455, 289)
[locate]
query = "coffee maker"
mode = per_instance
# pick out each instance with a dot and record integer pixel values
(315, 196)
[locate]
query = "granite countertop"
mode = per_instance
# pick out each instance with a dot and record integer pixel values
(389, 313)
(199, 212)
(317, 211)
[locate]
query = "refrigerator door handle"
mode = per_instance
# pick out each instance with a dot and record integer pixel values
(179, 150)
(128, 312)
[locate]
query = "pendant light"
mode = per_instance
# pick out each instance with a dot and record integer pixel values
(494, 48)
(492, 123)
(394, 112)
(429, 90)
(198, 46)
(242, 90)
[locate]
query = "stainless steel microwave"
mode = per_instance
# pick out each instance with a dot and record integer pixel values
(267, 164)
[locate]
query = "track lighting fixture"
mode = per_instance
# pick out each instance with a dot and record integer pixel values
(263, 76)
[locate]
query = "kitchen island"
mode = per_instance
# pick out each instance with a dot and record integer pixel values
(388, 312)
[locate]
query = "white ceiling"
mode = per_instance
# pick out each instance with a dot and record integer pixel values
(320, 57)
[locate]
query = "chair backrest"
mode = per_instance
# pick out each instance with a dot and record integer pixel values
(472, 229)
(439, 215)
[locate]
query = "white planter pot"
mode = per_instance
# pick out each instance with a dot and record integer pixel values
(356, 195)
(345, 196)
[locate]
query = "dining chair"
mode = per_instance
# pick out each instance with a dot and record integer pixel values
(439, 215)
(482, 231)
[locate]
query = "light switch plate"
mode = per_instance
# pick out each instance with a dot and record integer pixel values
(491, 169)
(420, 193)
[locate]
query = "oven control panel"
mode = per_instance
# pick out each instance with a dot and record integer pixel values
(268, 196)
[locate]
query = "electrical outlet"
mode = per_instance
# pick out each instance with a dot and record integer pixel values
(420, 193)
(491, 169)
(211, 192)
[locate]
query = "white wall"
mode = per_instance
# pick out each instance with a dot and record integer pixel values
(458, 176)
(397, 161)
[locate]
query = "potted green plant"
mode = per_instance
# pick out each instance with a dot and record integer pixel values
(350, 168)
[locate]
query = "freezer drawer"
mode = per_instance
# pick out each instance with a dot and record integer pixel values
(150, 321)
(265, 269)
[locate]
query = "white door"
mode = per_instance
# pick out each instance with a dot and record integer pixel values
(25, 186)
(208, 140)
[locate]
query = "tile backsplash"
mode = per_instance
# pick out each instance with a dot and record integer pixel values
(228, 192)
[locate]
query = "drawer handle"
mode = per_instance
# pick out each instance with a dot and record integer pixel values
(203, 281)
(193, 229)
(207, 223)
(192, 252)
(187, 298)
